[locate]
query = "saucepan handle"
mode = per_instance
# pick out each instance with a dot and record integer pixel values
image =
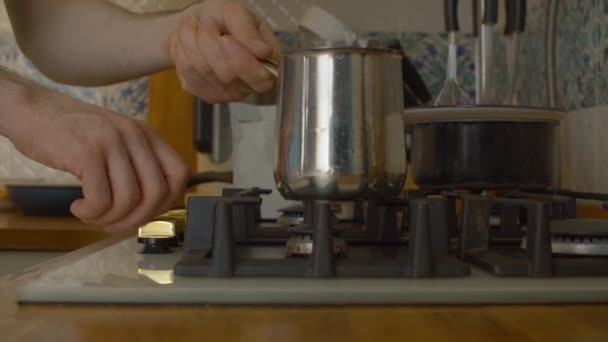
(271, 67)
(209, 177)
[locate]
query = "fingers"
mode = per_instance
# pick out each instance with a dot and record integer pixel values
(151, 180)
(203, 72)
(108, 181)
(124, 186)
(129, 175)
(244, 26)
(244, 63)
(96, 190)
(271, 39)
(217, 53)
(175, 171)
(209, 45)
(195, 84)
(192, 75)
(208, 37)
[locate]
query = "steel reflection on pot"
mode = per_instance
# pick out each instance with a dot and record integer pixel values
(339, 134)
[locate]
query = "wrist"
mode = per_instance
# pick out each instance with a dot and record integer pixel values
(15, 101)
(156, 30)
(154, 33)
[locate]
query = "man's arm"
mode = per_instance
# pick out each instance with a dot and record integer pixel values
(128, 173)
(216, 46)
(91, 42)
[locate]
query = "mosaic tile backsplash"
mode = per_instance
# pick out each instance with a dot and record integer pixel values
(581, 56)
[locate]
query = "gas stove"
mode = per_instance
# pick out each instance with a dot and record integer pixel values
(427, 247)
(423, 235)
(218, 241)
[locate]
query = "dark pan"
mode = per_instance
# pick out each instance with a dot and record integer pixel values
(44, 200)
(48, 200)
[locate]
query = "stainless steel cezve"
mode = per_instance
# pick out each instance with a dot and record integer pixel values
(339, 110)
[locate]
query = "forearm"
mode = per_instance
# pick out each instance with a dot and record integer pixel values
(14, 98)
(91, 42)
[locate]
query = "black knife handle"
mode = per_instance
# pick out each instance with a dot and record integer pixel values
(450, 13)
(490, 12)
(509, 17)
(475, 14)
(409, 99)
(414, 80)
(411, 78)
(519, 21)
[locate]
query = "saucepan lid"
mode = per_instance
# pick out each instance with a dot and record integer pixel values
(483, 113)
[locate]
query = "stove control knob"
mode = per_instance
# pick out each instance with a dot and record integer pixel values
(179, 217)
(156, 246)
(162, 233)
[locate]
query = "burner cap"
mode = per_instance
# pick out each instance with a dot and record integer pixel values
(580, 246)
(293, 209)
(578, 237)
(576, 246)
(306, 229)
(303, 229)
(580, 227)
(301, 245)
(290, 219)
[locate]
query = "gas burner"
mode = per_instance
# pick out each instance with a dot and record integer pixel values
(213, 248)
(302, 245)
(301, 242)
(290, 219)
(555, 244)
(578, 246)
(300, 214)
(586, 237)
(292, 215)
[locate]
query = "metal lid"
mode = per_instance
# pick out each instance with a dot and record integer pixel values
(473, 113)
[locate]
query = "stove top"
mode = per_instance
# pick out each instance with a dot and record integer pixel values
(423, 235)
(428, 248)
(119, 274)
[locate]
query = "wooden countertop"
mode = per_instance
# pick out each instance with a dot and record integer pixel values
(45, 233)
(291, 323)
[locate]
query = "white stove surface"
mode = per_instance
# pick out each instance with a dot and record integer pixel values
(115, 275)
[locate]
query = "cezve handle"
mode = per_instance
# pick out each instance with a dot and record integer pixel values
(271, 67)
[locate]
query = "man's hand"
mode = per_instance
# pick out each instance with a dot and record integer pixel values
(128, 173)
(217, 48)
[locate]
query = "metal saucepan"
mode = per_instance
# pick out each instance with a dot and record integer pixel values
(483, 147)
(339, 132)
